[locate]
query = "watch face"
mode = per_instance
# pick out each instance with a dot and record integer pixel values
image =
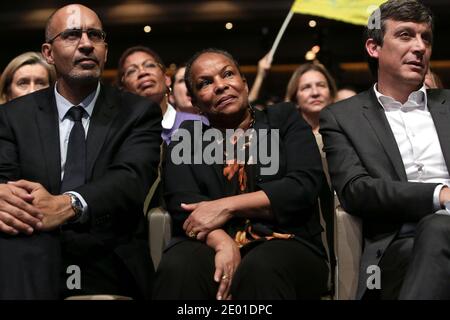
(447, 206)
(76, 204)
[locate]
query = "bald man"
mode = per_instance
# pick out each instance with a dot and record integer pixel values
(76, 162)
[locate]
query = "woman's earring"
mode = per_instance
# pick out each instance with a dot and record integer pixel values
(198, 110)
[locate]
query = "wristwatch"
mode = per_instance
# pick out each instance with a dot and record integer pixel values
(77, 206)
(447, 206)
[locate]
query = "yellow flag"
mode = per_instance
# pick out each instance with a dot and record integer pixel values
(352, 11)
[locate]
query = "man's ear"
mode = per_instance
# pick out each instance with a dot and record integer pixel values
(106, 52)
(46, 51)
(372, 48)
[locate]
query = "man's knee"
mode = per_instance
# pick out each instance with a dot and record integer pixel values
(187, 256)
(256, 269)
(434, 224)
(433, 231)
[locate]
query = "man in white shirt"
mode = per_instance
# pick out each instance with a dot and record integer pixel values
(388, 151)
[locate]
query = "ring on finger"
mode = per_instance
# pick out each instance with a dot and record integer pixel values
(192, 234)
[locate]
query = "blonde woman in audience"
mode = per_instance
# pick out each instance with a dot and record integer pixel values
(311, 88)
(25, 74)
(432, 80)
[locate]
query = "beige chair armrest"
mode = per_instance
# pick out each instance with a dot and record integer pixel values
(348, 247)
(160, 232)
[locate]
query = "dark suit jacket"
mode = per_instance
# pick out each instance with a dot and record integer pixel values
(367, 170)
(293, 190)
(122, 157)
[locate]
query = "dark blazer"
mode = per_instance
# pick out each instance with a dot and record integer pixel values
(122, 158)
(367, 170)
(293, 190)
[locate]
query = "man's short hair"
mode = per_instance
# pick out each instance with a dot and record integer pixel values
(397, 10)
(48, 24)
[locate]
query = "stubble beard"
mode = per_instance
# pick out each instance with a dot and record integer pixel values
(83, 79)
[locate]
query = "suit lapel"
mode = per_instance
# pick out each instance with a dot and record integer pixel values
(441, 117)
(104, 112)
(48, 124)
(374, 113)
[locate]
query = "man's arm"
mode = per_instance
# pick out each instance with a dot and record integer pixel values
(121, 190)
(16, 212)
(360, 190)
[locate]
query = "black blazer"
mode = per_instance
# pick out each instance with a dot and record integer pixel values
(122, 158)
(367, 170)
(293, 190)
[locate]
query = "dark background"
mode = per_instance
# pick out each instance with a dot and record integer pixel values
(180, 28)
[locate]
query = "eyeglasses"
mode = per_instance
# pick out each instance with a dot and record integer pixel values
(73, 36)
(148, 65)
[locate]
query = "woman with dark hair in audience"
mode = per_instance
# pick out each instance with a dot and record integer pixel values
(242, 229)
(180, 99)
(25, 74)
(142, 71)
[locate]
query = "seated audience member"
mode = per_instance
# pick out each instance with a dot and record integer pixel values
(311, 88)
(76, 161)
(345, 93)
(25, 74)
(142, 71)
(180, 99)
(240, 231)
(388, 150)
(432, 80)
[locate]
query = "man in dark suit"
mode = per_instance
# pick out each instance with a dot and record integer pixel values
(76, 161)
(388, 151)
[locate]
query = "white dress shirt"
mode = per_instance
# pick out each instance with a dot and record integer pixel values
(417, 139)
(66, 124)
(169, 117)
